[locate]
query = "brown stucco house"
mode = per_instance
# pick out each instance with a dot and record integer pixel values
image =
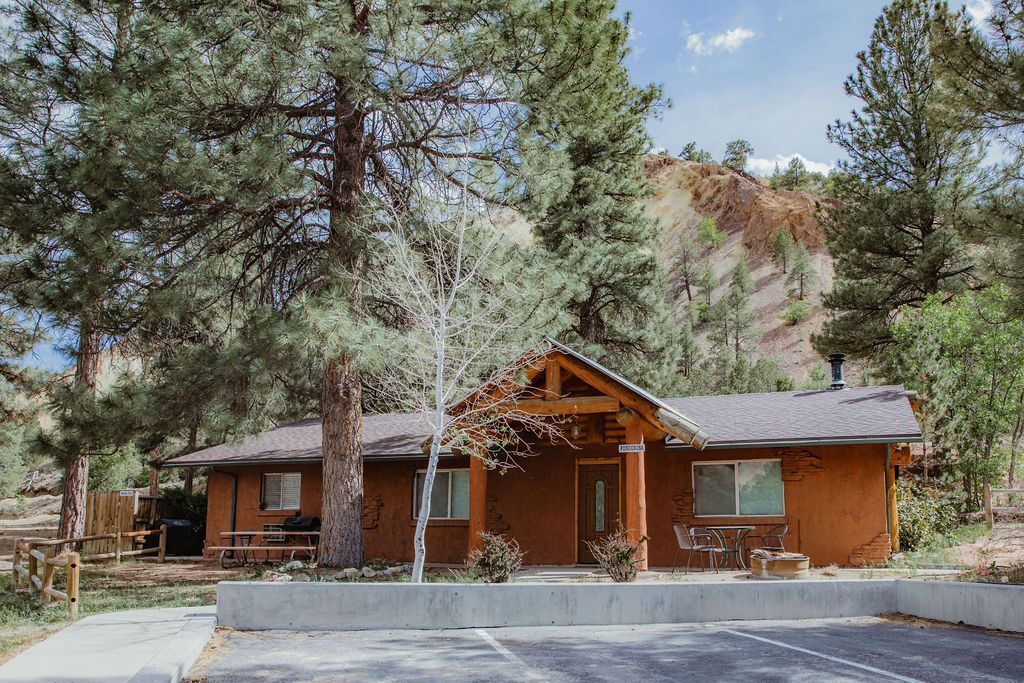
(823, 462)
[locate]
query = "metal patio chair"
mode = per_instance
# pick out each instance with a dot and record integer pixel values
(695, 540)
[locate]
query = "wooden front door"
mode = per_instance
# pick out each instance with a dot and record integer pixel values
(598, 514)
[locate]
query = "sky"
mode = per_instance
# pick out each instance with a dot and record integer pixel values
(768, 71)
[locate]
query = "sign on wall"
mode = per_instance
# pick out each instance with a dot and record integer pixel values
(631, 448)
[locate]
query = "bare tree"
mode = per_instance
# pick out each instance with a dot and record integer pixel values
(464, 309)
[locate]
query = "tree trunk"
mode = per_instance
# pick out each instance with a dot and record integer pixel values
(76, 474)
(341, 535)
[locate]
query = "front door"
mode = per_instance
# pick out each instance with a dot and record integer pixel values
(598, 506)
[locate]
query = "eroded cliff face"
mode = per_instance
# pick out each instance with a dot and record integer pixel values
(750, 213)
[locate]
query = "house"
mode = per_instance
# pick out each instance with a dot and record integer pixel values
(822, 462)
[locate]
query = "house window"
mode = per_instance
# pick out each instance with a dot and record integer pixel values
(281, 491)
(449, 498)
(744, 488)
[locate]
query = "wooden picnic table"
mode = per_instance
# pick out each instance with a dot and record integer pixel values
(240, 547)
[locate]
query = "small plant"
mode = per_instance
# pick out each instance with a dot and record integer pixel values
(497, 561)
(992, 573)
(797, 312)
(617, 555)
(924, 516)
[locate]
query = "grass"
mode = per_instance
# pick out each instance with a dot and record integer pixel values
(24, 619)
(941, 551)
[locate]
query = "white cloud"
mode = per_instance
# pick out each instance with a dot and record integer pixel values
(730, 41)
(761, 166)
(979, 10)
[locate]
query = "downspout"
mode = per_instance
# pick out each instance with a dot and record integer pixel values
(885, 487)
(234, 493)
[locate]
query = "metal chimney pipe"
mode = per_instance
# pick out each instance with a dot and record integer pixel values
(836, 360)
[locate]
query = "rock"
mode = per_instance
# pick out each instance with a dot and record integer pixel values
(300, 576)
(276, 577)
(350, 573)
(369, 573)
(391, 571)
(292, 566)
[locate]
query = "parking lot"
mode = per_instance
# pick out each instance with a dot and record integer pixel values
(813, 650)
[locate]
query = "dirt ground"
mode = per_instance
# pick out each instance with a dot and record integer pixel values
(35, 517)
(1004, 545)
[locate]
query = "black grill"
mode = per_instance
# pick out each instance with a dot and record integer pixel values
(301, 524)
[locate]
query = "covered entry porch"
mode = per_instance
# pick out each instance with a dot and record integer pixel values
(584, 485)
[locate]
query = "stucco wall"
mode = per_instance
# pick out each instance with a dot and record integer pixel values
(834, 500)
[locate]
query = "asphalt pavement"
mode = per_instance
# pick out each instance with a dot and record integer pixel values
(858, 649)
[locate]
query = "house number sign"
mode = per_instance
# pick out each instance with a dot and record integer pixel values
(631, 448)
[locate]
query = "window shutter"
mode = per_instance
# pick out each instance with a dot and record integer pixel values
(272, 491)
(290, 491)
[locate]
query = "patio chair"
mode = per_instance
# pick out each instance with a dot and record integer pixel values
(695, 540)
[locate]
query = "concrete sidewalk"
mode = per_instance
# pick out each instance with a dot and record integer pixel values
(146, 645)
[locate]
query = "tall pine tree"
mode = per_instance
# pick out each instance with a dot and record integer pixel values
(300, 119)
(905, 189)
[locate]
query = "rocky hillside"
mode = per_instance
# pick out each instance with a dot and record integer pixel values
(750, 213)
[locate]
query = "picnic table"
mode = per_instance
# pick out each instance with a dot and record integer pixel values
(732, 538)
(241, 547)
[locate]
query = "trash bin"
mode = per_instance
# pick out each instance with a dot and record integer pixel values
(181, 537)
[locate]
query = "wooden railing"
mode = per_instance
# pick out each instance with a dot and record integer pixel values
(991, 509)
(48, 555)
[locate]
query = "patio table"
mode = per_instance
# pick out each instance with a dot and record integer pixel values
(733, 543)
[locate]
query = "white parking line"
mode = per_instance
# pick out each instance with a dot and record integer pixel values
(865, 667)
(529, 673)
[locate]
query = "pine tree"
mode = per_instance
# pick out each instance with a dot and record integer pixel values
(306, 118)
(684, 268)
(984, 69)
(691, 152)
(706, 282)
(736, 154)
(801, 274)
(733, 323)
(904, 191)
(70, 209)
(741, 278)
(782, 248)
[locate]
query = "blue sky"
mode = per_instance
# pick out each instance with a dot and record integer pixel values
(769, 71)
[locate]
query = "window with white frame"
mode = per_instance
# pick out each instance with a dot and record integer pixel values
(738, 488)
(449, 497)
(281, 491)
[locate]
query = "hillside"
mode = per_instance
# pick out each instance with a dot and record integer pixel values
(750, 213)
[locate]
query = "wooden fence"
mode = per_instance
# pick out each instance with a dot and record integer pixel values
(1010, 496)
(49, 555)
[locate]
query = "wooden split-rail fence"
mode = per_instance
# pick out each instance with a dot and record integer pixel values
(36, 560)
(1009, 496)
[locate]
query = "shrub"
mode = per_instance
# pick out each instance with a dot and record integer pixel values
(924, 516)
(497, 561)
(617, 555)
(992, 573)
(797, 312)
(178, 504)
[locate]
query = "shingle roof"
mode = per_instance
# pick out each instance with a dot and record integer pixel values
(384, 435)
(859, 414)
(862, 415)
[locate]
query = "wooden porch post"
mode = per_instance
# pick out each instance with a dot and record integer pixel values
(477, 500)
(894, 515)
(636, 492)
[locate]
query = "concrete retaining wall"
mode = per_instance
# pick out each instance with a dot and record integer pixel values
(977, 604)
(332, 606)
(253, 606)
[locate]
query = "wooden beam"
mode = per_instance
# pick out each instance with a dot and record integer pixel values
(671, 423)
(574, 405)
(894, 515)
(477, 499)
(900, 456)
(636, 494)
(553, 382)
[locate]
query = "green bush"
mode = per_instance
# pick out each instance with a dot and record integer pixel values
(617, 555)
(924, 516)
(797, 312)
(181, 505)
(497, 561)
